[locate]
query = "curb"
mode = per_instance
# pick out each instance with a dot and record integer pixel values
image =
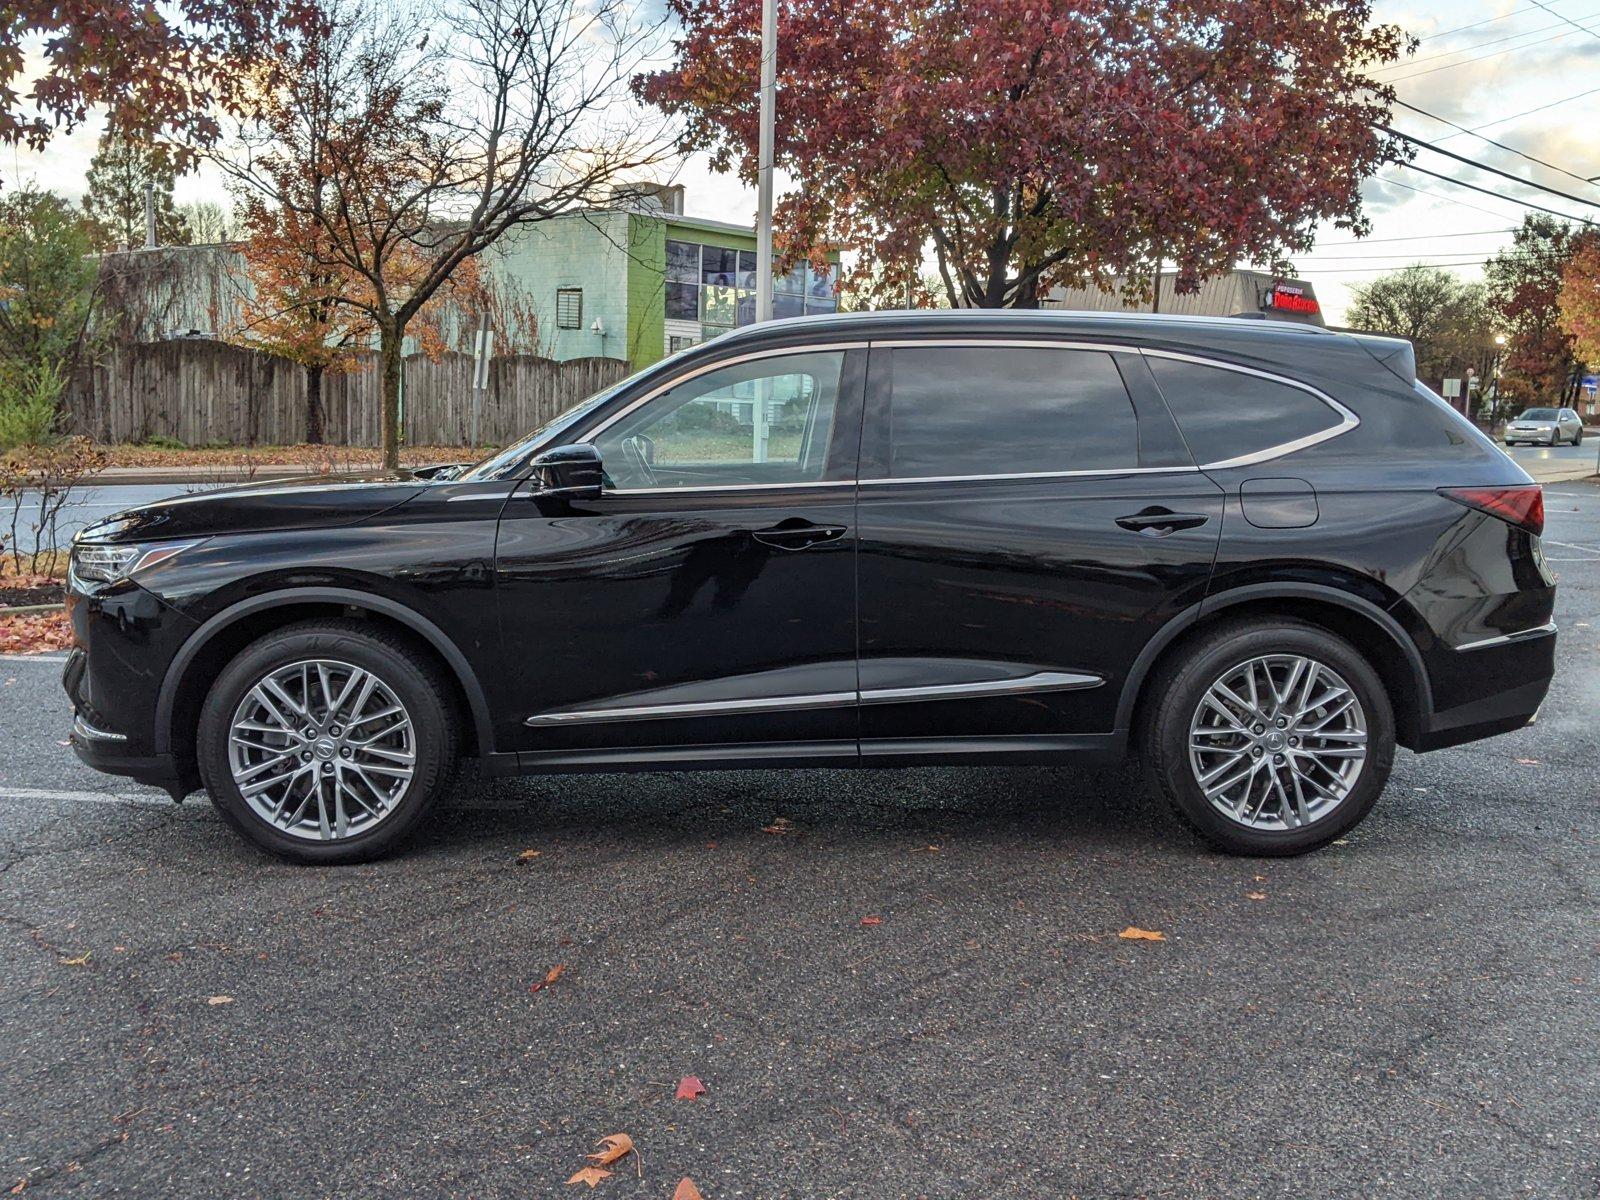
(29, 610)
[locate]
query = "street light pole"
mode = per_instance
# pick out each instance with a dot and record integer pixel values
(764, 160)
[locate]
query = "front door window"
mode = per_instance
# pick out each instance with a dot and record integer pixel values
(768, 420)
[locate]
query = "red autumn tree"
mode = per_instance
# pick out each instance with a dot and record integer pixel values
(1525, 286)
(1027, 143)
(1580, 299)
(163, 69)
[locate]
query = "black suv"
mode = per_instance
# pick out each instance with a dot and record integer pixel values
(1254, 556)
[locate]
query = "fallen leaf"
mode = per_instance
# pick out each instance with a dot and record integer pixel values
(617, 1145)
(555, 973)
(81, 961)
(1528, 762)
(219, 1000)
(872, 920)
(1255, 895)
(528, 855)
(781, 825)
(689, 1087)
(686, 1190)
(1134, 934)
(590, 1175)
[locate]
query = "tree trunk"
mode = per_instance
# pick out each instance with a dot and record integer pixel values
(390, 340)
(314, 430)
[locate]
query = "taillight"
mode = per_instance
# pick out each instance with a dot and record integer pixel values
(1522, 505)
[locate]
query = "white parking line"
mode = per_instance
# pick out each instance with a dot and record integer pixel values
(83, 797)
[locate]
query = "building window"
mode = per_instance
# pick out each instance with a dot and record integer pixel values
(569, 308)
(676, 343)
(716, 286)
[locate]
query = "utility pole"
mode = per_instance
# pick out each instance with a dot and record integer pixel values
(149, 216)
(764, 160)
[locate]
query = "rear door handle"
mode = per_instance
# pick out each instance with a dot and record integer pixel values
(1159, 522)
(797, 534)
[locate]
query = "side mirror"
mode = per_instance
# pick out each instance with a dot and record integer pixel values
(569, 472)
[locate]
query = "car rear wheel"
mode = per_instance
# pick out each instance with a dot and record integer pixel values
(327, 741)
(1270, 737)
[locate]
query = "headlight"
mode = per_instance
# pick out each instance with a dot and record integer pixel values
(108, 562)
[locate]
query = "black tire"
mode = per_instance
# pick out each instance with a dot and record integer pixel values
(1577, 438)
(1181, 686)
(414, 680)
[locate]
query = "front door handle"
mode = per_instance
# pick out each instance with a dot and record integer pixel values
(797, 534)
(1159, 522)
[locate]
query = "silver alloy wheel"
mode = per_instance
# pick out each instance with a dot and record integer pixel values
(321, 749)
(1278, 742)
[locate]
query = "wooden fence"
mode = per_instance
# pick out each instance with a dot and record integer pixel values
(212, 393)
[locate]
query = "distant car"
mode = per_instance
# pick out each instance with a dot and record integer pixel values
(1255, 556)
(1547, 427)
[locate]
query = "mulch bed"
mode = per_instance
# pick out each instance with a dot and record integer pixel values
(17, 595)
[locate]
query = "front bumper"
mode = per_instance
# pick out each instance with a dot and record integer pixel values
(111, 752)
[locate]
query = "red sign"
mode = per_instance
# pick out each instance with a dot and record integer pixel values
(1286, 297)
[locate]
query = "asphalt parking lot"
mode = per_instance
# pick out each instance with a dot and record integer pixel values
(891, 984)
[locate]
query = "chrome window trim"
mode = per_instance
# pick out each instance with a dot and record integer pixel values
(1504, 639)
(1034, 343)
(1039, 681)
(879, 481)
(1347, 419)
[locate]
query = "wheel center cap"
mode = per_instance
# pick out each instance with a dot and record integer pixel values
(325, 747)
(1274, 741)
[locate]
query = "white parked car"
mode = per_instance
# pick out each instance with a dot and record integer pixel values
(1547, 427)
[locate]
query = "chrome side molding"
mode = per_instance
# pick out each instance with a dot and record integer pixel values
(1039, 681)
(1521, 635)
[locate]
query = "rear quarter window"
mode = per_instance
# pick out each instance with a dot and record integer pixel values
(1226, 414)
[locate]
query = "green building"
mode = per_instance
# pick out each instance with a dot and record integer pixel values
(641, 280)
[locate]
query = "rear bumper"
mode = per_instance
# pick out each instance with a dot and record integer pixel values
(1499, 685)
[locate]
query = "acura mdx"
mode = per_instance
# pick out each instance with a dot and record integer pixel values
(1255, 557)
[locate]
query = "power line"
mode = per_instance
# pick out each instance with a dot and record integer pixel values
(1510, 37)
(1527, 112)
(1419, 237)
(1472, 162)
(1568, 20)
(1463, 28)
(1464, 62)
(1315, 257)
(1512, 149)
(1497, 195)
(1379, 270)
(1421, 191)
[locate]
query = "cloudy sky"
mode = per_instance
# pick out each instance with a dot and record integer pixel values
(1525, 73)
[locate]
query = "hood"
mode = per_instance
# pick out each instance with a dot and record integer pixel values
(317, 501)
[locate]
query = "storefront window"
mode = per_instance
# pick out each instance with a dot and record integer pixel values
(716, 287)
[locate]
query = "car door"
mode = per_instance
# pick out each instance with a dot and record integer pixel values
(1025, 526)
(704, 605)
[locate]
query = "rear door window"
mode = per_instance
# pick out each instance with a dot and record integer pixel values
(1006, 410)
(1227, 414)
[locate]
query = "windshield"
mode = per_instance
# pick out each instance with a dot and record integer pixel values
(1538, 414)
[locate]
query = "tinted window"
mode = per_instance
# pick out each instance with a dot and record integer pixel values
(1226, 414)
(1001, 410)
(1539, 414)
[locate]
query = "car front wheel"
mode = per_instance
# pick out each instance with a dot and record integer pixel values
(327, 741)
(1270, 737)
